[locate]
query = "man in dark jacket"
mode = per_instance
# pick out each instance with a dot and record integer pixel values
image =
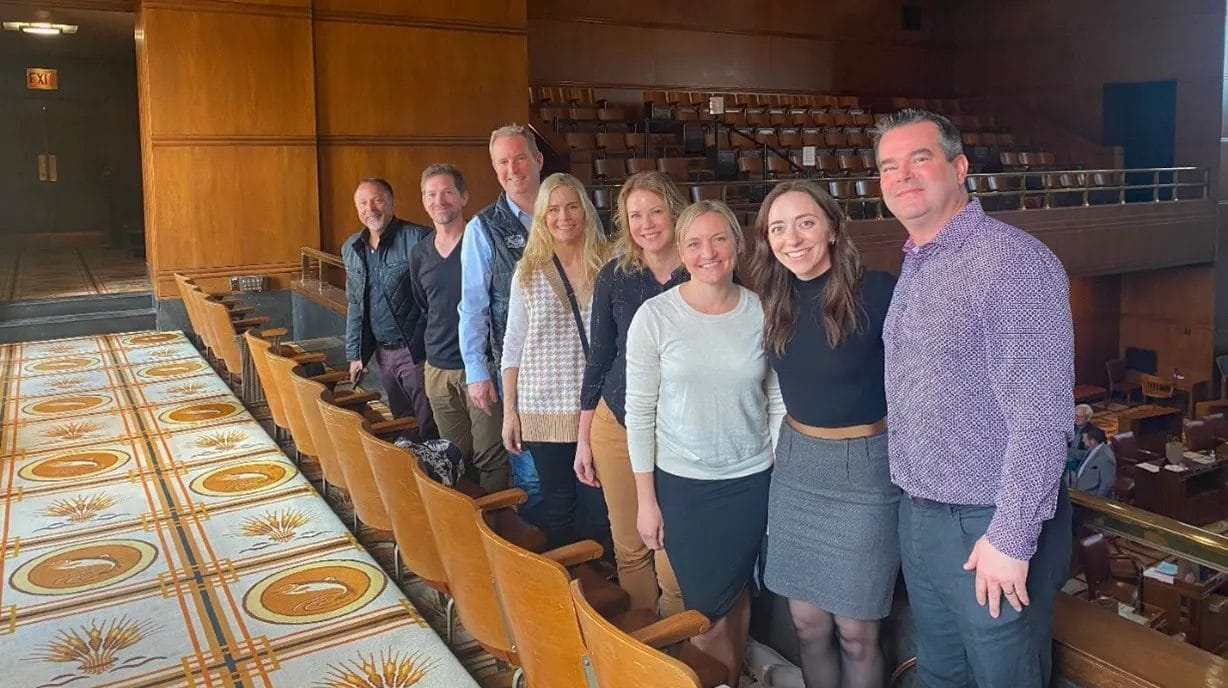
(381, 315)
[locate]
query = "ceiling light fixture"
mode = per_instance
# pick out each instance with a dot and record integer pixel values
(40, 28)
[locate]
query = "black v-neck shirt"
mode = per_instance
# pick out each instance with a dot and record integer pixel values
(437, 290)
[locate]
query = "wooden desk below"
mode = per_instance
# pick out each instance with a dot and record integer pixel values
(1151, 424)
(1196, 496)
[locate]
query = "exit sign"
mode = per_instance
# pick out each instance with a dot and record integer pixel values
(42, 79)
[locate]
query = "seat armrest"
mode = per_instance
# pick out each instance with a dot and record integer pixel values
(304, 359)
(387, 427)
(1149, 455)
(332, 376)
(502, 499)
(351, 399)
(673, 629)
(251, 322)
(241, 310)
(274, 333)
(575, 553)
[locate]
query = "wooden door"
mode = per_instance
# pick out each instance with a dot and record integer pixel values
(25, 188)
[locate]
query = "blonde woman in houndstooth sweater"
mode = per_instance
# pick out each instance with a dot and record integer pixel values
(544, 354)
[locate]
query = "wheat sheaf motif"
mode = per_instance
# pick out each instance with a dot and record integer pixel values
(80, 508)
(163, 352)
(96, 648)
(188, 388)
(72, 430)
(221, 441)
(66, 382)
(63, 348)
(278, 526)
(393, 670)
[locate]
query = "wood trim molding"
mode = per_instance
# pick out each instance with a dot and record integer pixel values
(762, 33)
(441, 23)
(190, 140)
(405, 140)
(97, 5)
(228, 7)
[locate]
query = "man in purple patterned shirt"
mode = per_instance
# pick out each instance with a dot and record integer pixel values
(979, 373)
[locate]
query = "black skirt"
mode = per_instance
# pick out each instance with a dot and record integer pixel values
(713, 533)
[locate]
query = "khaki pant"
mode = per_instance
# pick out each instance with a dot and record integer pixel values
(640, 569)
(478, 436)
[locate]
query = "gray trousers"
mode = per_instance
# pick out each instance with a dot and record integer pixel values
(958, 642)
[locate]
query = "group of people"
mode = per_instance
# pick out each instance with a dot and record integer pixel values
(703, 398)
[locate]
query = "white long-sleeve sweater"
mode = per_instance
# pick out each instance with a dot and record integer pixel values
(702, 401)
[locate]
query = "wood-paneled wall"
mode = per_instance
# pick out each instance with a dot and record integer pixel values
(440, 81)
(1095, 309)
(856, 46)
(228, 138)
(259, 117)
(1055, 56)
(1172, 312)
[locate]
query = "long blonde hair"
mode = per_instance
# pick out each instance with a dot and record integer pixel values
(630, 255)
(539, 250)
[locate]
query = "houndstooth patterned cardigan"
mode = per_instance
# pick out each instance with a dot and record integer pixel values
(543, 341)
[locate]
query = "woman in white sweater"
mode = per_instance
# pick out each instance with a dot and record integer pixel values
(703, 407)
(544, 351)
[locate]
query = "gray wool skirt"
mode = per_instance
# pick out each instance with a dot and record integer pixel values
(832, 524)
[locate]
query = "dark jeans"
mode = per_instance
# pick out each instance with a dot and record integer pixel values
(570, 510)
(958, 643)
(405, 385)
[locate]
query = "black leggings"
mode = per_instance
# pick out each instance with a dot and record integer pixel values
(570, 510)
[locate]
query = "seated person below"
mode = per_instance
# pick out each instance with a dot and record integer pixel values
(1096, 473)
(1083, 418)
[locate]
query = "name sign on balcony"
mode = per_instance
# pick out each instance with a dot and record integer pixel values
(716, 105)
(42, 79)
(809, 156)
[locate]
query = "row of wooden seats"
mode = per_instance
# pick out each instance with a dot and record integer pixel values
(217, 321)
(835, 140)
(458, 540)
(742, 100)
(619, 142)
(615, 170)
(562, 95)
(1024, 160)
(581, 113)
(947, 106)
(779, 118)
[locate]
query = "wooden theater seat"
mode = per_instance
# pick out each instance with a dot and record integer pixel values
(451, 515)
(344, 426)
(633, 660)
(533, 589)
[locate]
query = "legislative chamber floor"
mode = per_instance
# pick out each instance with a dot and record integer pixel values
(153, 534)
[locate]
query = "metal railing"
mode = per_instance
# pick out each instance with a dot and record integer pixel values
(999, 191)
(1157, 532)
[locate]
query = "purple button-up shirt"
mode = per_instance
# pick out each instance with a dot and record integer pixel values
(980, 371)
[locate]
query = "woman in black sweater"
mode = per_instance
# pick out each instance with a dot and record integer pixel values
(833, 549)
(646, 264)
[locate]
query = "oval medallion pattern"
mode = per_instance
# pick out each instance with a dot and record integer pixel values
(315, 592)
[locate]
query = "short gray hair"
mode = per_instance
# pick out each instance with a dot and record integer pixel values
(444, 168)
(514, 129)
(379, 182)
(1087, 410)
(948, 134)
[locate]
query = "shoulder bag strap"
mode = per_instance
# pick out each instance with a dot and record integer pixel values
(575, 306)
